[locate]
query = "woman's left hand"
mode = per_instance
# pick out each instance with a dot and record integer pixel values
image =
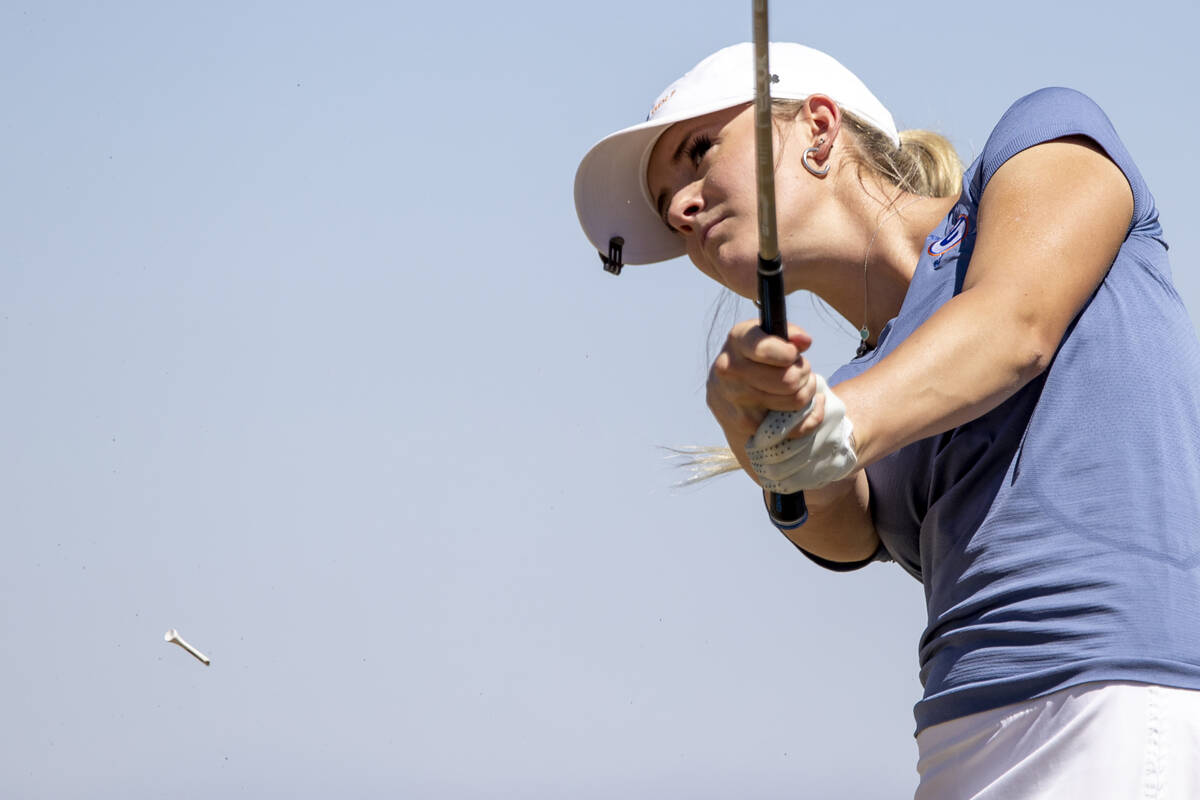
(822, 453)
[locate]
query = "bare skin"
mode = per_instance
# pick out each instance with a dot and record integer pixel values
(1050, 223)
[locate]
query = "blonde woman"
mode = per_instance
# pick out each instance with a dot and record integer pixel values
(1019, 430)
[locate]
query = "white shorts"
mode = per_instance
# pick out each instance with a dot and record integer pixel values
(1125, 741)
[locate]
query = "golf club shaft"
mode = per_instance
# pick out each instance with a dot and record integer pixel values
(788, 510)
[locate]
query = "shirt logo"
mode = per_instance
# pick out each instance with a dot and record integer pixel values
(952, 238)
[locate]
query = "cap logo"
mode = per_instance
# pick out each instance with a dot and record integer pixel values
(661, 102)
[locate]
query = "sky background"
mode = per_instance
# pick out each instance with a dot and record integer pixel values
(302, 352)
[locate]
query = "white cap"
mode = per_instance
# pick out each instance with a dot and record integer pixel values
(611, 195)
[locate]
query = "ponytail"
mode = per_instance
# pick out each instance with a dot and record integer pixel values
(925, 163)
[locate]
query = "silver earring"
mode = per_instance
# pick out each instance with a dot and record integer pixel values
(810, 167)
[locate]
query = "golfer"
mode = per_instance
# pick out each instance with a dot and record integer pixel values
(1019, 428)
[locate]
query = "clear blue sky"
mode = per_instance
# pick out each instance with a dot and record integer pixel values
(302, 353)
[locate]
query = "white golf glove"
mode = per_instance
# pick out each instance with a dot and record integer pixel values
(787, 466)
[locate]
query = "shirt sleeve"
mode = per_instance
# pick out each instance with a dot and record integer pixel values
(880, 554)
(1053, 113)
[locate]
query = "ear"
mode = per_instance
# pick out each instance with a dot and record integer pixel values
(824, 121)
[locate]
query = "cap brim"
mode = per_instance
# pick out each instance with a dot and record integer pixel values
(610, 193)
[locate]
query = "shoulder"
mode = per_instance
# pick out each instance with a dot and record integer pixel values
(1055, 102)
(1044, 116)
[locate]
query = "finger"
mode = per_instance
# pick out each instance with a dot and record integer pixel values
(740, 409)
(738, 422)
(751, 342)
(770, 444)
(812, 420)
(799, 337)
(737, 376)
(750, 402)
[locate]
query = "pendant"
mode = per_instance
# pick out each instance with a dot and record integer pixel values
(863, 347)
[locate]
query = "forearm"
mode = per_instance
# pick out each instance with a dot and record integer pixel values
(839, 526)
(975, 352)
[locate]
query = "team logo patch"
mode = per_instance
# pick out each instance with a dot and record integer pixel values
(956, 234)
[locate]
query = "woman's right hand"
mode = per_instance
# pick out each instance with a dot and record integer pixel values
(755, 373)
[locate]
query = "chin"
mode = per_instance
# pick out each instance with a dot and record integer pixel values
(737, 272)
(740, 275)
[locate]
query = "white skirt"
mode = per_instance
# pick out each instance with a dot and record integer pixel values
(1125, 741)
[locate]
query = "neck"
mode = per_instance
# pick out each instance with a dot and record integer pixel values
(886, 244)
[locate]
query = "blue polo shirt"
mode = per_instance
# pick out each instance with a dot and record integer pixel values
(1058, 535)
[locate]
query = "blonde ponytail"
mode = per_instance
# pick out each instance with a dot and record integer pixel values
(925, 163)
(702, 462)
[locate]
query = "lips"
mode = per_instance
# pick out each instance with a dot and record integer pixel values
(707, 229)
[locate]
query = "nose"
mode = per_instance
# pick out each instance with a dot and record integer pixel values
(683, 208)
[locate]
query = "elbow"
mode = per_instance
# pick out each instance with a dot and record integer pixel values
(1033, 351)
(1035, 360)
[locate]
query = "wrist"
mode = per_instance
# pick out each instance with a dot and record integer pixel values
(858, 412)
(737, 446)
(830, 495)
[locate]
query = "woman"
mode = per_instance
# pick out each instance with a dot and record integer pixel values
(1020, 429)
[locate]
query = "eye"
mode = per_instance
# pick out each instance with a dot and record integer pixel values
(698, 147)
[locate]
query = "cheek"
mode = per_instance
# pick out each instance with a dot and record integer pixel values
(796, 198)
(732, 182)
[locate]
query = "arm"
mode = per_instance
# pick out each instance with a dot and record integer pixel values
(839, 526)
(1051, 221)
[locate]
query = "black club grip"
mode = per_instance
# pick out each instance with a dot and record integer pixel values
(786, 510)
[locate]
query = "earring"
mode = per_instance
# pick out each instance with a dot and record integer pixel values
(808, 153)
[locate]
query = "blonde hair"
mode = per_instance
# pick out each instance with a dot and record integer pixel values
(925, 163)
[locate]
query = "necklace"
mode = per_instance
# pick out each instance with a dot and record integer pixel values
(864, 332)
